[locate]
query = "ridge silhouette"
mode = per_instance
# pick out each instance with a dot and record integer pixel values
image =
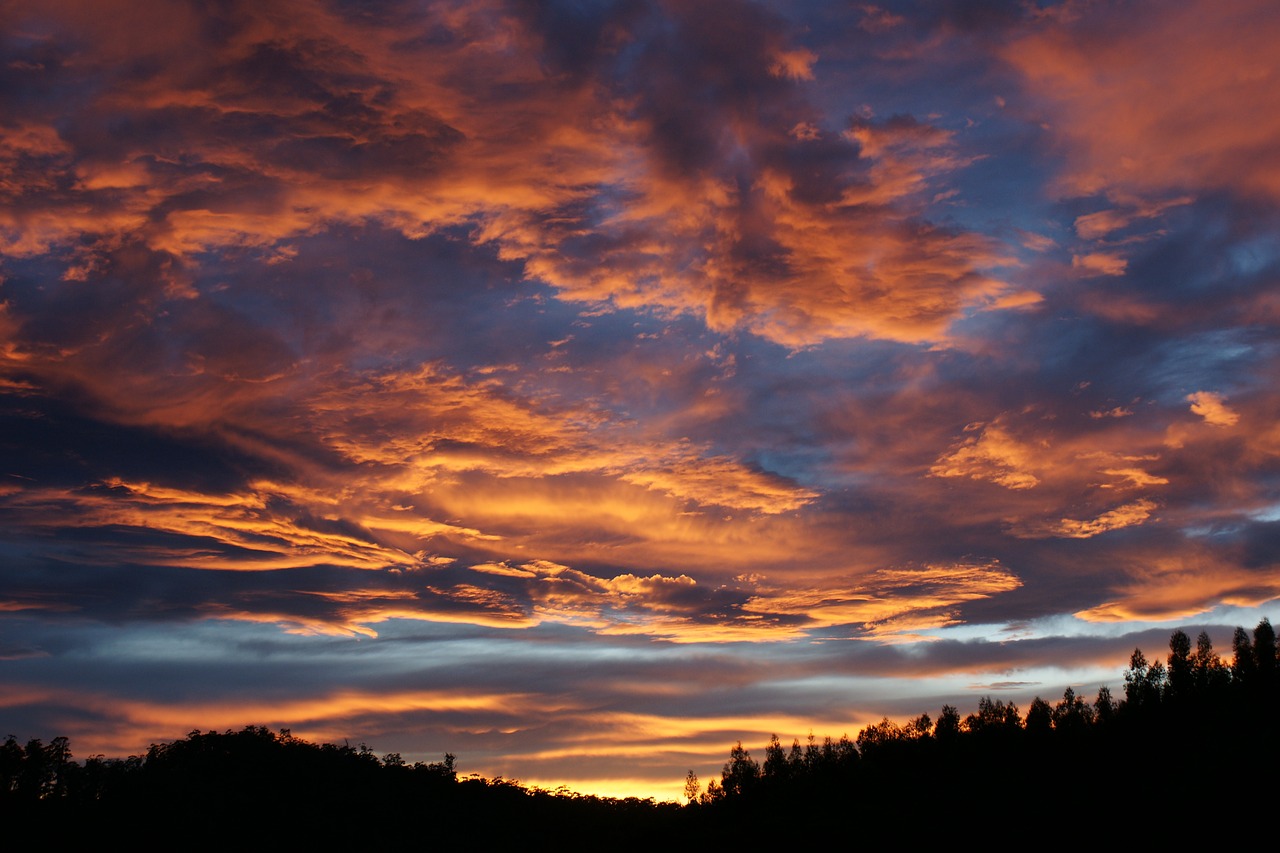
(1190, 721)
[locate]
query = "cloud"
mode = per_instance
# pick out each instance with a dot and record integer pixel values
(1102, 223)
(1182, 587)
(333, 124)
(1212, 408)
(1115, 519)
(890, 604)
(429, 426)
(1100, 263)
(994, 455)
(793, 64)
(1135, 124)
(877, 19)
(1054, 470)
(257, 530)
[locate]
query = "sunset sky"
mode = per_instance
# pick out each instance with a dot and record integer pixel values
(581, 387)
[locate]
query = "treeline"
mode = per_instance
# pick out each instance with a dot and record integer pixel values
(216, 765)
(1192, 720)
(259, 787)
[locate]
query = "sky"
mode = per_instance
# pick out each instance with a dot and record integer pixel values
(583, 387)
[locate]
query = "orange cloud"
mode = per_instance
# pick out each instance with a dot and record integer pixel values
(1137, 124)
(239, 532)
(891, 604)
(1100, 224)
(1100, 263)
(793, 64)
(886, 604)
(1115, 412)
(993, 454)
(852, 258)
(1212, 408)
(1055, 472)
(1182, 586)
(1115, 519)
(426, 427)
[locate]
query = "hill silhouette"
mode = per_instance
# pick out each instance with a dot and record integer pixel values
(1183, 727)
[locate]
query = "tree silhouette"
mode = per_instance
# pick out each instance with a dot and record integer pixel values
(948, 726)
(775, 760)
(1143, 683)
(993, 717)
(1104, 707)
(1243, 665)
(1264, 651)
(1208, 671)
(1072, 716)
(879, 734)
(691, 788)
(740, 773)
(1039, 718)
(1181, 668)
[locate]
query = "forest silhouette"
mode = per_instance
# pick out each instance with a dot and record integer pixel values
(1193, 729)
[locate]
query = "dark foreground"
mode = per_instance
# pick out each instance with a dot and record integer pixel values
(1190, 750)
